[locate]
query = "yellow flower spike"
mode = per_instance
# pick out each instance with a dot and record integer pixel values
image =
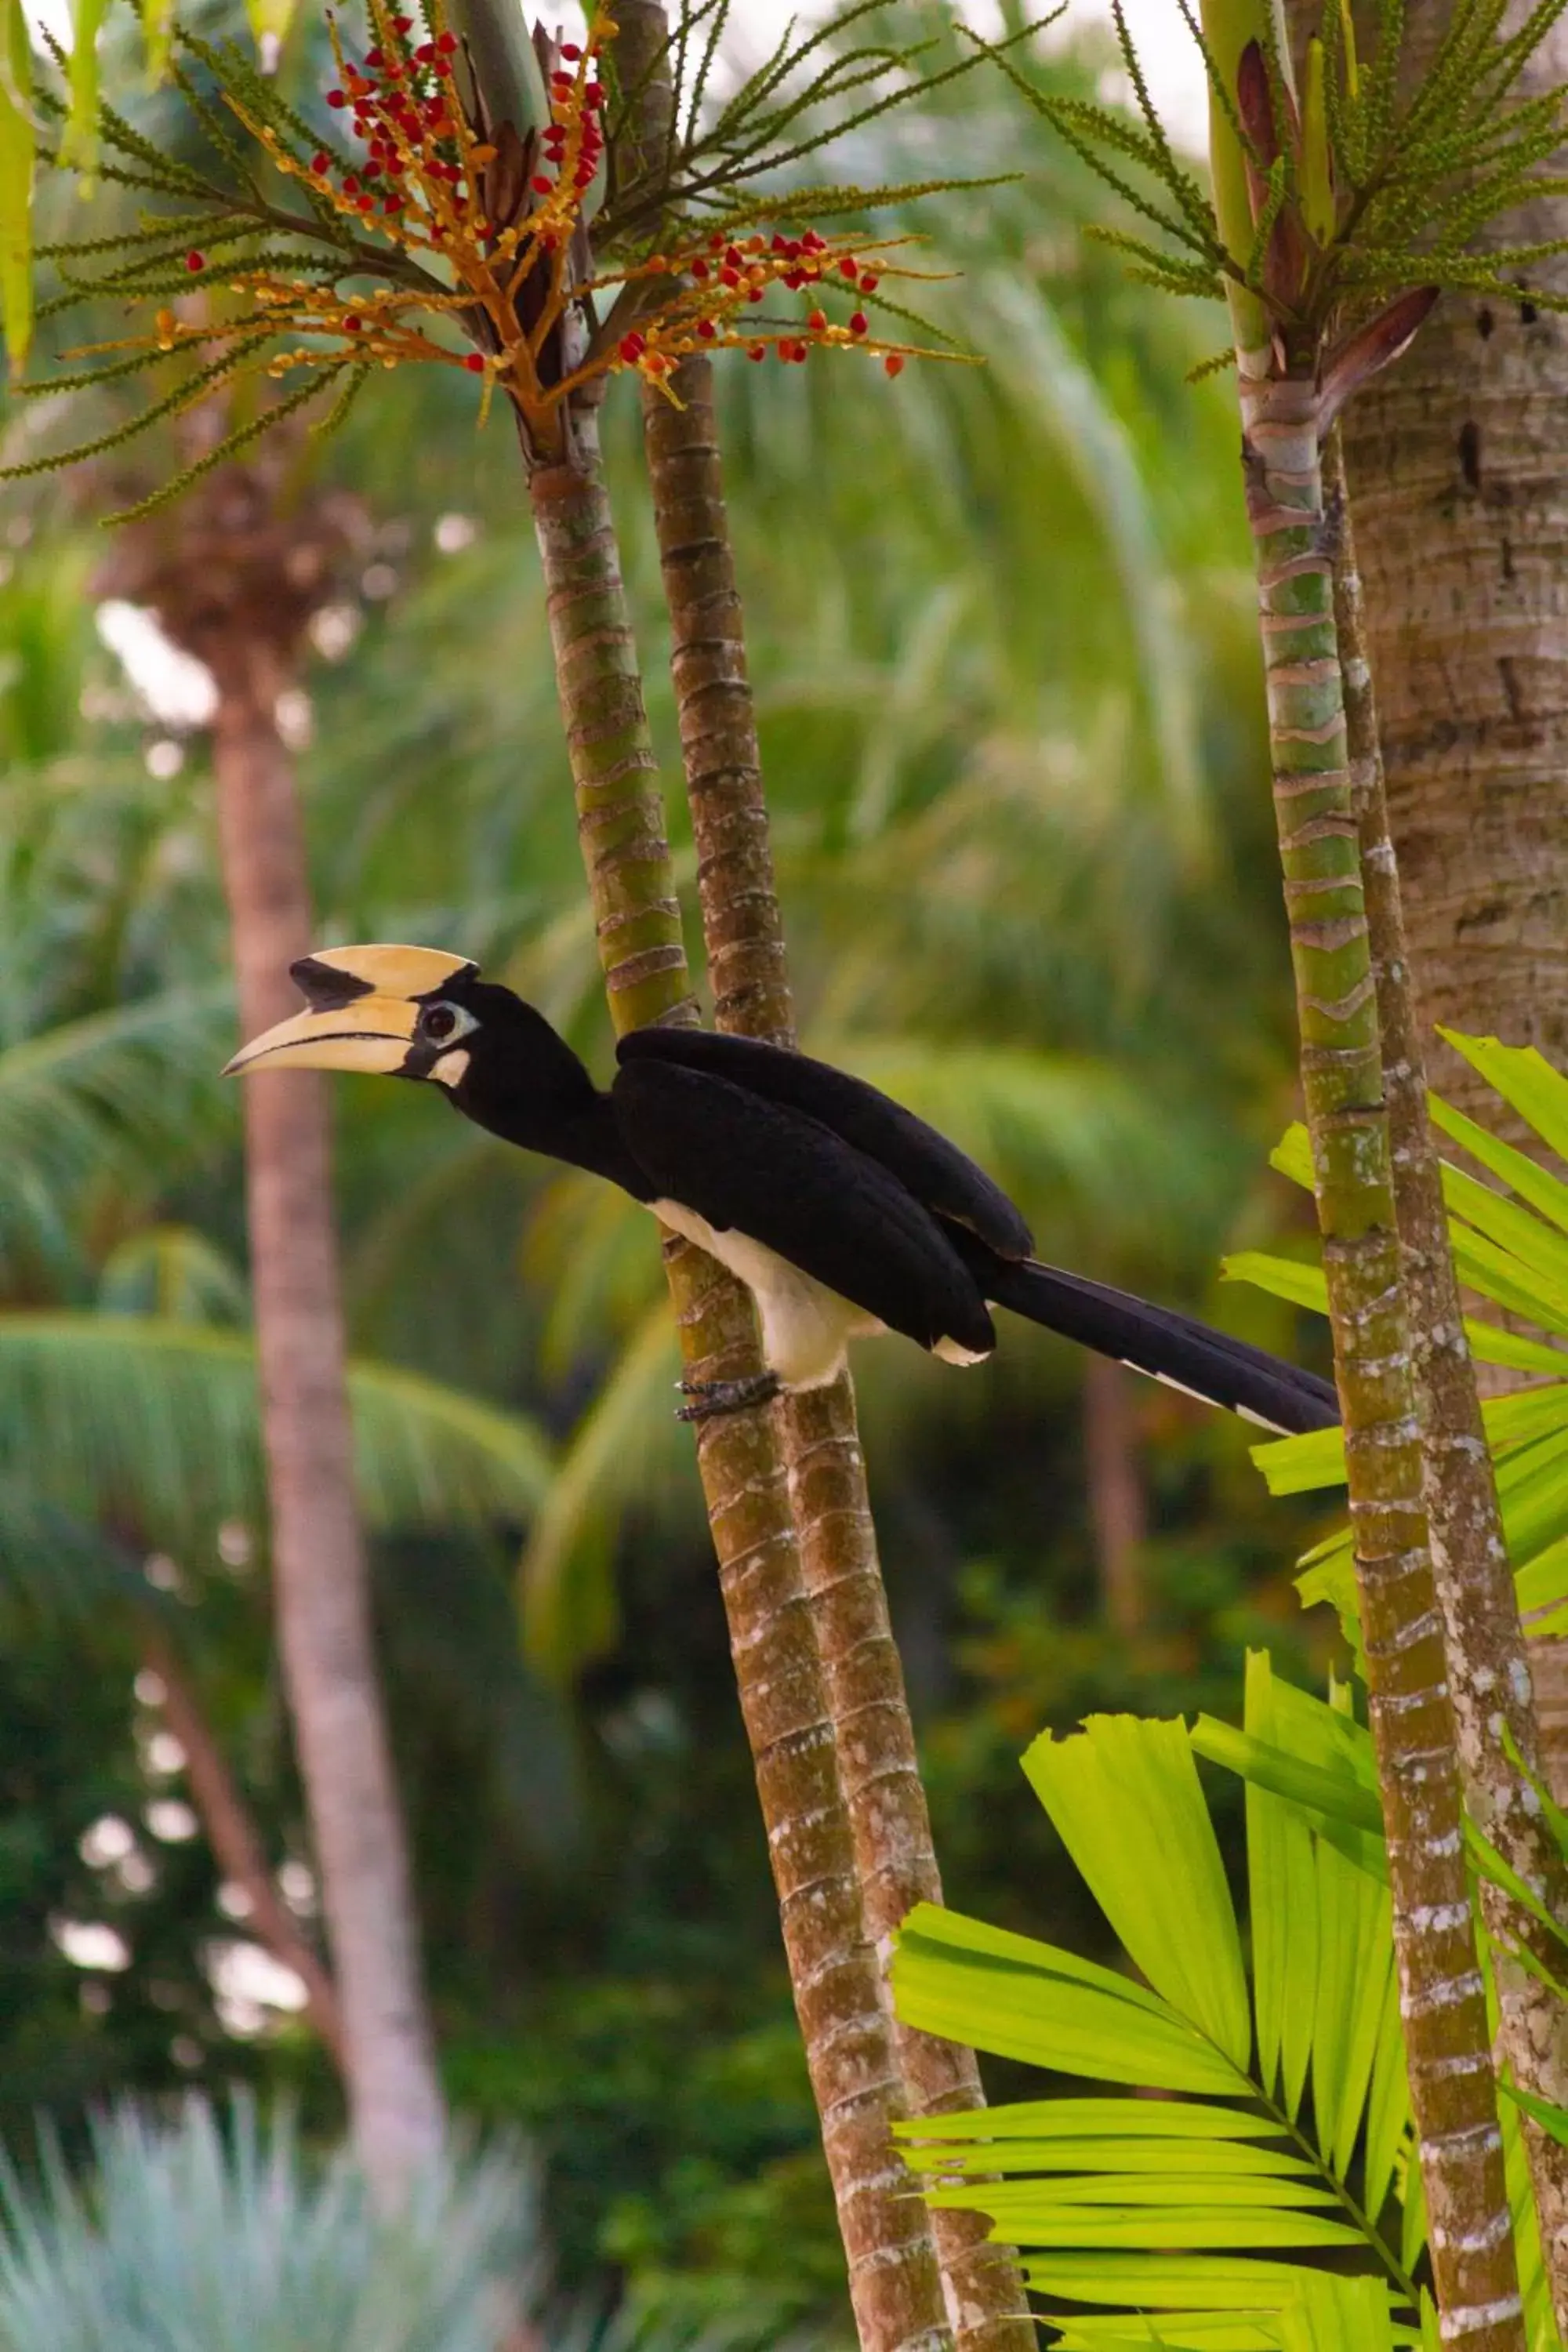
(1347, 33)
(1317, 163)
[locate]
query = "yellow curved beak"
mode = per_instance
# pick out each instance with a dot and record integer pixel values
(363, 1008)
(374, 1033)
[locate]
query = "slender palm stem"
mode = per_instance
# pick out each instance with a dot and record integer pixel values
(744, 933)
(894, 2283)
(231, 1836)
(235, 584)
(1488, 1663)
(1453, 2094)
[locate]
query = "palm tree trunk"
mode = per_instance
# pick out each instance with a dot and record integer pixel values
(1489, 1675)
(1461, 507)
(236, 1848)
(894, 2284)
(1443, 2004)
(320, 1576)
(743, 935)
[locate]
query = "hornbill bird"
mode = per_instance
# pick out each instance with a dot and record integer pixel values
(842, 1212)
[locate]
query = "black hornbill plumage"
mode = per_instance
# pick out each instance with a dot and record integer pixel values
(841, 1212)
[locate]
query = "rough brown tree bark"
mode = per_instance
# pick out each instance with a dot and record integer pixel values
(744, 934)
(1460, 499)
(233, 579)
(1488, 1674)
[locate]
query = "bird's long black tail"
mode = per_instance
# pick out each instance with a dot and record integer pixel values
(1167, 1346)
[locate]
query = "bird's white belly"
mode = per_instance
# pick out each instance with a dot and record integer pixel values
(805, 1326)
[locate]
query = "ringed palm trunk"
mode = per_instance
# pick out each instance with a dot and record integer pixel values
(1453, 2094)
(1454, 460)
(320, 1581)
(1489, 1675)
(234, 577)
(894, 2284)
(743, 935)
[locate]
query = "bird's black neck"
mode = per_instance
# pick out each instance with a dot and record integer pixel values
(525, 1083)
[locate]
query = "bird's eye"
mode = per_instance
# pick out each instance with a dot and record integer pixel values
(438, 1023)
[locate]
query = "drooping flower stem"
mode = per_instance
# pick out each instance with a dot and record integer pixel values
(1453, 2094)
(1487, 1664)
(894, 2283)
(744, 933)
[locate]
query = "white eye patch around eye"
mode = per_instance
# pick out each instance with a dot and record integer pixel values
(451, 1068)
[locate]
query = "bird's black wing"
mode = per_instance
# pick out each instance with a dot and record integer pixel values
(924, 1163)
(767, 1170)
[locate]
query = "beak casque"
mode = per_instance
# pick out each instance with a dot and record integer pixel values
(363, 1006)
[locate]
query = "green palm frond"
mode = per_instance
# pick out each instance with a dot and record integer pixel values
(175, 1273)
(100, 1414)
(628, 1445)
(1285, 2128)
(1511, 1246)
(222, 2229)
(112, 1091)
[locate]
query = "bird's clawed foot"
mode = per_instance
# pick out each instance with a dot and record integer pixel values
(712, 1398)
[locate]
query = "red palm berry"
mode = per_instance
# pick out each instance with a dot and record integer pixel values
(569, 51)
(715, 244)
(730, 276)
(594, 92)
(194, 261)
(392, 203)
(753, 293)
(699, 268)
(707, 330)
(374, 57)
(319, 163)
(817, 320)
(868, 283)
(336, 98)
(857, 322)
(474, 363)
(350, 185)
(633, 346)
(893, 364)
(795, 279)
(540, 184)
(425, 54)
(847, 268)
(351, 324)
(756, 351)
(812, 243)
(447, 44)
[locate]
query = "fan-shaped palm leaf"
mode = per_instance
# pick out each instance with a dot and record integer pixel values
(1509, 1246)
(1193, 2202)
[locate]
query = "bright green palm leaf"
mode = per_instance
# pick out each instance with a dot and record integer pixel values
(1283, 1905)
(1526, 1081)
(1132, 2203)
(1034, 2001)
(1124, 1798)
